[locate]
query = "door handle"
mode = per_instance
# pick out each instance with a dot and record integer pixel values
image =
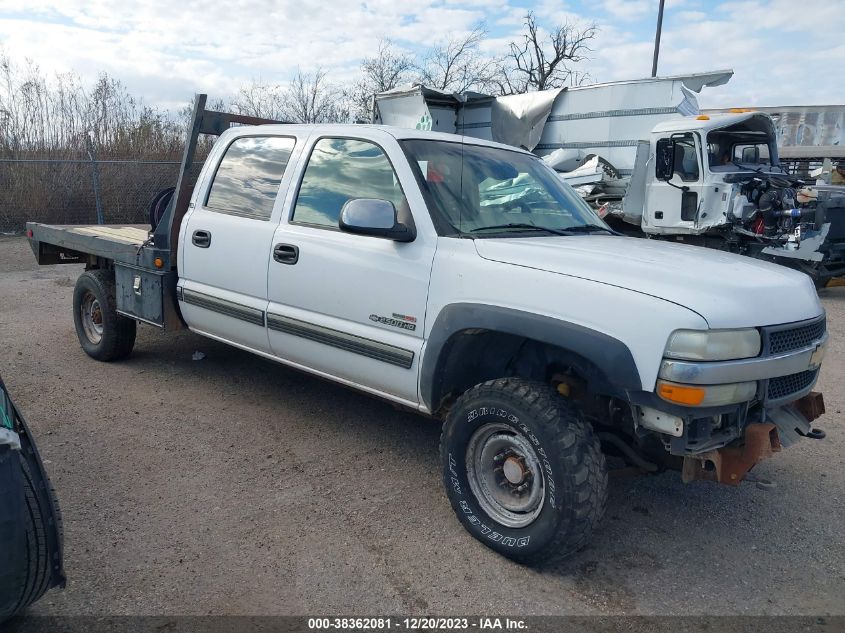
(286, 253)
(202, 239)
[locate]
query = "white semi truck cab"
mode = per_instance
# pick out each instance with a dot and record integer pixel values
(643, 154)
(465, 280)
(715, 180)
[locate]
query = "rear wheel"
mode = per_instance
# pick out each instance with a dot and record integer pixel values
(523, 470)
(103, 333)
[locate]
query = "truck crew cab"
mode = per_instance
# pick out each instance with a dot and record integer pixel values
(465, 280)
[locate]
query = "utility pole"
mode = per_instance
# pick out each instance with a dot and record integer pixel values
(657, 39)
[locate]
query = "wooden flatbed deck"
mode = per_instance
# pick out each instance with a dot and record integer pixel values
(118, 242)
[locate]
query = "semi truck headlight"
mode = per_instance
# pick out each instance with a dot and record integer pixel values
(713, 344)
(706, 395)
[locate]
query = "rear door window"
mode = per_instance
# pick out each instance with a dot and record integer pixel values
(248, 177)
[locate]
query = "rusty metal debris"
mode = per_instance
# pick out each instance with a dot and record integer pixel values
(730, 464)
(810, 406)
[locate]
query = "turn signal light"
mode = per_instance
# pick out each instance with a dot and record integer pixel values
(681, 394)
(159, 262)
(703, 117)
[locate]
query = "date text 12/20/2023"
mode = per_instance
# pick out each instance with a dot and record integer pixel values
(417, 623)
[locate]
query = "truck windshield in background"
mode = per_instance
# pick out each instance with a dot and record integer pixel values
(480, 190)
(740, 145)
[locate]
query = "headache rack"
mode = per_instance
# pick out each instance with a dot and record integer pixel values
(144, 259)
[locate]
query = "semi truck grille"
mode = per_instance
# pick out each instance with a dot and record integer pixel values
(785, 386)
(781, 341)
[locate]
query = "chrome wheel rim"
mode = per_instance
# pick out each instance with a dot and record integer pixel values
(92, 318)
(504, 475)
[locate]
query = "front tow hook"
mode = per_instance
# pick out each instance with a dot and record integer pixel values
(812, 434)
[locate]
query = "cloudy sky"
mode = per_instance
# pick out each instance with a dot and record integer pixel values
(783, 51)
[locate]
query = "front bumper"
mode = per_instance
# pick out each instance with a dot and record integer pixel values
(784, 425)
(758, 368)
(784, 372)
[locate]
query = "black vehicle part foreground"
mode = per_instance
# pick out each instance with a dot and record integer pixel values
(31, 534)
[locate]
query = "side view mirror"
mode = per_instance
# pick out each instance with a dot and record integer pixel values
(376, 218)
(665, 159)
(751, 155)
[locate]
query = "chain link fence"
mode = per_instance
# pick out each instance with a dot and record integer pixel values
(59, 191)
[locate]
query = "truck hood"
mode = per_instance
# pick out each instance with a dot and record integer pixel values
(726, 290)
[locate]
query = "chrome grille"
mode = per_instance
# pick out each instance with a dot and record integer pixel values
(785, 386)
(788, 339)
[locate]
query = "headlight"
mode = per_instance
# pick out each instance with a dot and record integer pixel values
(706, 395)
(713, 344)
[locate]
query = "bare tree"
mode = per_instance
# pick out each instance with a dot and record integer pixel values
(310, 98)
(541, 60)
(58, 116)
(385, 70)
(259, 99)
(457, 64)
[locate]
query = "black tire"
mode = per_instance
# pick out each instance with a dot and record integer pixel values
(31, 578)
(572, 469)
(117, 336)
(158, 205)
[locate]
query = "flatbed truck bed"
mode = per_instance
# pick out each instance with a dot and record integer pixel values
(77, 242)
(143, 258)
(144, 282)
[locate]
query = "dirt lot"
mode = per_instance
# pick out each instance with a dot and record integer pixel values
(232, 485)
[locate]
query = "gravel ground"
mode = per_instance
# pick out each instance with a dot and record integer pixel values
(233, 485)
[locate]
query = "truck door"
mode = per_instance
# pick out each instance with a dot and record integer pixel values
(344, 305)
(226, 240)
(675, 187)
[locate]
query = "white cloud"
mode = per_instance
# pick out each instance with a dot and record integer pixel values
(165, 50)
(215, 47)
(627, 9)
(780, 56)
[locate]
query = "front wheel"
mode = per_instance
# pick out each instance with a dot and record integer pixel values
(523, 470)
(103, 333)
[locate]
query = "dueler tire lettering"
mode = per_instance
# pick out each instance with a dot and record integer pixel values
(572, 466)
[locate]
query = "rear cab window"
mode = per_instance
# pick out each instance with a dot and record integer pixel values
(249, 174)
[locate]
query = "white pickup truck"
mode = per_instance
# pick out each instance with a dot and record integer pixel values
(395, 261)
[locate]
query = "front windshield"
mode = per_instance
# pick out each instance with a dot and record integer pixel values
(484, 191)
(729, 149)
(727, 152)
